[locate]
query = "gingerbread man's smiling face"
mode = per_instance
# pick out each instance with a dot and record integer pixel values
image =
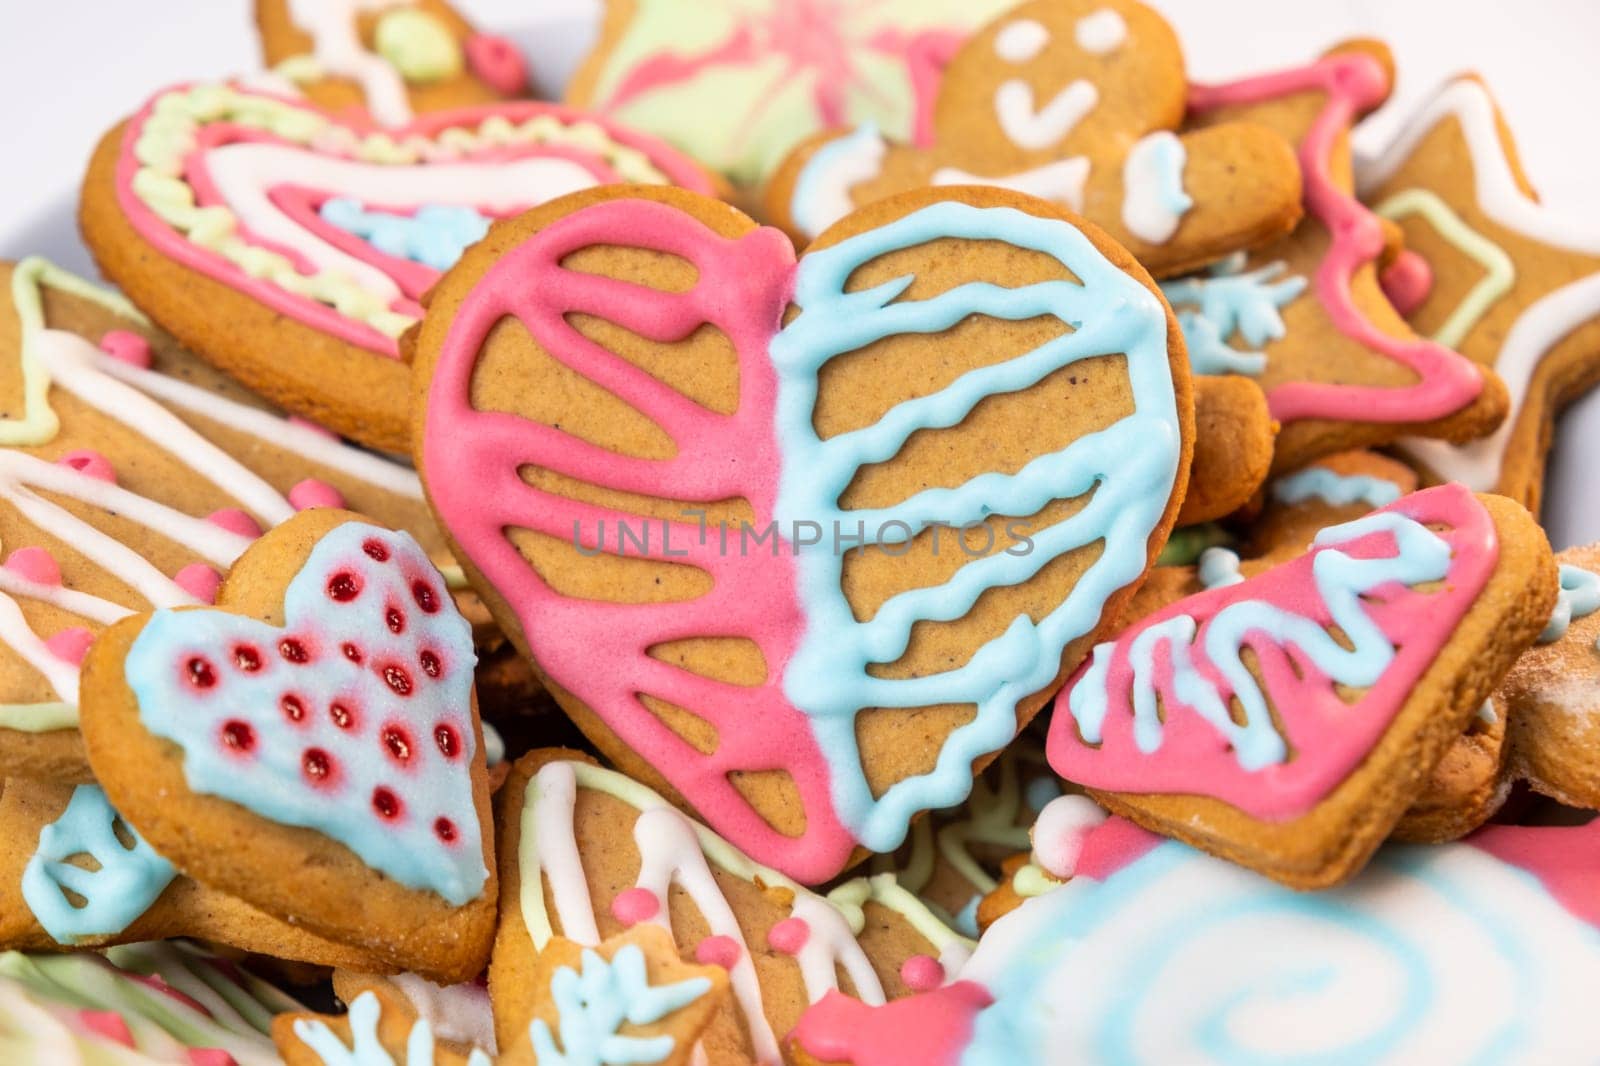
(1086, 78)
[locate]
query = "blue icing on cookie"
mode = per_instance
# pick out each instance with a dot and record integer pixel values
(594, 1003)
(1211, 309)
(434, 236)
(1339, 490)
(1579, 598)
(129, 877)
(1129, 466)
(366, 1046)
(1219, 568)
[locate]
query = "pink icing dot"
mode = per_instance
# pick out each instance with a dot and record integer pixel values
(126, 347)
(211, 1056)
(90, 463)
(1407, 281)
(634, 906)
(70, 645)
(155, 982)
(200, 581)
(315, 427)
(789, 936)
(36, 565)
(717, 951)
(108, 1024)
(313, 493)
(235, 521)
(497, 63)
(922, 973)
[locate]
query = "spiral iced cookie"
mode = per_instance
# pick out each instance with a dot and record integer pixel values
(131, 475)
(1489, 271)
(588, 854)
(1077, 102)
(292, 247)
(392, 58)
(311, 740)
(1287, 721)
(1156, 953)
(1305, 316)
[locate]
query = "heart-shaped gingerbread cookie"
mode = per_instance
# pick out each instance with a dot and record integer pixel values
(311, 741)
(802, 542)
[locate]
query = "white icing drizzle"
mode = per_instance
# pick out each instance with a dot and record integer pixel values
(15, 632)
(1020, 40)
(1032, 127)
(1101, 32)
(1061, 181)
(336, 47)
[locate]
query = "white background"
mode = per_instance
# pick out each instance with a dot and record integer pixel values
(69, 69)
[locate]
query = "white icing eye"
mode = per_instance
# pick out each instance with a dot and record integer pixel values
(1020, 41)
(419, 45)
(1102, 31)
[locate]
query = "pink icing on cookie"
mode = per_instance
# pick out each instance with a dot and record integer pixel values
(497, 63)
(199, 580)
(1407, 281)
(719, 950)
(927, 56)
(789, 935)
(127, 347)
(70, 645)
(1565, 859)
(1352, 83)
(211, 1056)
(635, 905)
(90, 463)
(929, 1029)
(922, 973)
(36, 565)
(1327, 734)
(313, 493)
(315, 427)
(1112, 845)
(108, 1024)
(599, 651)
(235, 521)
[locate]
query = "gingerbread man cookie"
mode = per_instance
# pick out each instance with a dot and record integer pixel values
(1509, 283)
(292, 247)
(1233, 719)
(1306, 316)
(810, 499)
(1076, 102)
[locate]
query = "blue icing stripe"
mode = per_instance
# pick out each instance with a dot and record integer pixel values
(1339, 490)
(1219, 568)
(593, 1004)
(1341, 581)
(822, 190)
(353, 719)
(366, 1045)
(434, 236)
(1579, 598)
(128, 879)
(1129, 466)
(1211, 309)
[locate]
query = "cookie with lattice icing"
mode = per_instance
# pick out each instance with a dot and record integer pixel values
(1511, 284)
(393, 59)
(1079, 102)
(311, 740)
(1287, 721)
(802, 540)
(292, 246)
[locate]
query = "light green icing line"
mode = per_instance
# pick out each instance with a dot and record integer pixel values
(1499, 271)
(38, 717)
(1030, 880)
(992, 819)
(886, 891)
(419, 45)
(38, 424)
(169, 135)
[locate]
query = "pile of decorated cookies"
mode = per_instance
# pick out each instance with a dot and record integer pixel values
(1052, 576)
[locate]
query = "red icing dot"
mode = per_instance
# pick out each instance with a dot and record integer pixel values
(342, 716)
(430, 663)
(238, 735)
(398, 741)
(922, 973)
(397, 679)
(445, 830)
(376, 550)
(448, 742)
(351, 652)
(789, 935)
(344, 586)
(385, 802)
(247, 658)
(395, 619)
(201, 675)
(717, 951)
(424, 595)
(293, 651)
(293, 709)
(316, 764)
